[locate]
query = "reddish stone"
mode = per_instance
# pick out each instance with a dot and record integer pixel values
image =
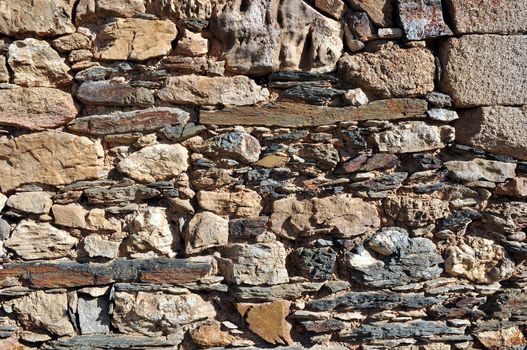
(355, 164)
(423, 19)
(516, 187)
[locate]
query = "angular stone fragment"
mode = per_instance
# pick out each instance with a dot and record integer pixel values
(411, 71)
(242, 264)
(35, 63)
(40, 310)
(478, 259)
(39, 240)
(70, 215)
(415, 136)
(36, 108)
(237, 145)
(299, 115)
(423, 19)
(113, 341)
(516, 187)
(192, 44)
(291, 291)
(245, 203)
(94, 315)
(36, 17)
(109, 93)
(419, 329)
(341, 215)
(155, 163)
(88, 10)
(442, 115)
(483, 70)
(152, 232)
(135, 39)
(507, 338)
(380, 11)
(75, 41)
(27, 159)
(4, 73)
(283, 35)
(333, 8)
(480, 169)
(496, 129)
(316, 264)
(416, 211)
(206, 230)
(31, 202)
(98, 247)
(238, 90)
(120, 194)
(268, 320)
(210, 335)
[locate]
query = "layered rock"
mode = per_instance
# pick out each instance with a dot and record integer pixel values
(409, 137)
(480, 169)
(238, 204)
(423, 20)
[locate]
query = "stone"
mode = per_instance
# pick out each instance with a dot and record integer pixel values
(508, 217)
(120, 194)
(292, 291)
(279, 33)
(423, 20)
(157, 313)
(39, 240)
(273, 161)
(352, 44)
(135, 39)
(416, 211)
(420, 329)
(94, 315)
(414, 136)
(442, 115)
(70, 215)
(439, 100)
(112, 341)
(75, 41)
(241, 264)
(333, 8)
(341, 215)
(487, 16)
(360, 25)
(155, 163)
(152, 232)
(411, 74)
(192, 44)
(193, 89)
(35, 63)
(406, 260)
(325, 156)
(27, 159)
(246, 203)
(109, 93)
(380, 11)
(286, 114)
(98, 247)
(482, 70)
(507, 338)
(206, 230)
(3, 201)
(96, 220)
(496, 129)
(41, 18)
(237, 145)
(315, 264)
(36, 108)
(390, 33)
(40, 310)
(306, 93)
(4, 73)
(268, 320)
(89, 10)
(355, 97)
(516, 187)
(480, 169)
(210, 335)
(478, 259)
(31, 202)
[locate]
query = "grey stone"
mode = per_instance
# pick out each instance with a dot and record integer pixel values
(109, 93)
(182, 132)
(237, 145)
(113, 341)
(422, 19)
(94, 315)
(120, 194)
(439, 100)
(281, 291)
(316, 264)
(419, 329)
(442, 115)
(480, 169)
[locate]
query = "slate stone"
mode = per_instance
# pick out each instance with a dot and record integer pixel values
(315, 264)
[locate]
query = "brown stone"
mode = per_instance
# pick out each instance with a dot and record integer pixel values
(75, 41)
(36, 108)
(516, 187)
(192, 44)
(423, 19)
(109, 93)
(4, 73)
(31, 202)
(507, 338)
(70, 215)
(333, 8)
(267, 320)
(89, 10)
(210, 335)
(206, 230)
(299, 115)
(416, 211)
(246, 203)
(380, 11)
(480, 169)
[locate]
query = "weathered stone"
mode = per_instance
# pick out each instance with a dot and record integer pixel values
(201, 9)
(70, 215)
(40, 310)
(442, 115)
(246, 203)
(31, 202)
(88, 10)
(279, 33)
(109, 93)
(182, 132)
(380, 11)
(120, 194)
(355, 97)
(480, 169)
(390, 33)
(478, 259)
(416, 211)
(194, 65)
(135, 39)
(210, 335)
(408, 260)
(439, 100)
(333, 8)
(488, 16)
(316, 264)
(292, 291)
(155, 314)
(415, 136)
(482, 70)
(155, 163)
(4, 73)
(94, 315)
(508, 338)
(495, 129)
(27, 159)
(411, 71)
(98, 247)
(360, 25)
(36, 108)
(423, 20)
(112, 341)
(152, 232)
(268, 320)
(324, 155)
(242, 264)
(206, 230)
(39, 240)
(75, 41)
(247, 228)
(324, 326)
(35, 63)
(299, 115)
(192, 44)
(342, 215)
(516, 187)
(237, 145)
(42, 18)
(419, 329)
(315, 95)
(199, 90)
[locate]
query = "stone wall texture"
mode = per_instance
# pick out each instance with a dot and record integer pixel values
(255, 174)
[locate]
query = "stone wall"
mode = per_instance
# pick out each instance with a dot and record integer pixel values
(299, 174)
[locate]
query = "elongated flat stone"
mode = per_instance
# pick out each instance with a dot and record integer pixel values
(299, 115)
(107, 93)
(113, 341)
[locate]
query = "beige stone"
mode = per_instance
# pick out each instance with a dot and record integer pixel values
(505, 338)
(96, 246)
(496, 129)
(39, 240)
(380, 11)
(96, 220)
(75, 41)
(51, 158)
(70, 215)
(237, 145)
(31, 202)
(268, 320)
(246, 203)
(151, 231)
(135, 39)
(333, 8)
(3, 201)
(192, 44)
(483, 70)
(238, 90)
(391, 72)
(36, 108)
(480, 169)
(416, 211)
(88, 10)
(4, 73)
(41, 310)
(209, 335)
(200, 9)
(155, 163)
(206, 230)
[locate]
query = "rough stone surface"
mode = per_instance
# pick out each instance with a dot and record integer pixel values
(70, 215)
(210, 335)
(98, 247)
(423, 20)
(110, 93)
(268, 321)
(409, 137)
(206, 230)
(239, 146)
(93, 315)
(151, 231)
(480, 169)
(238, 204)
(380, 11)
(31, 202)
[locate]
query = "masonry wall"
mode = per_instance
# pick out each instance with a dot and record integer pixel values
(292, 174)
